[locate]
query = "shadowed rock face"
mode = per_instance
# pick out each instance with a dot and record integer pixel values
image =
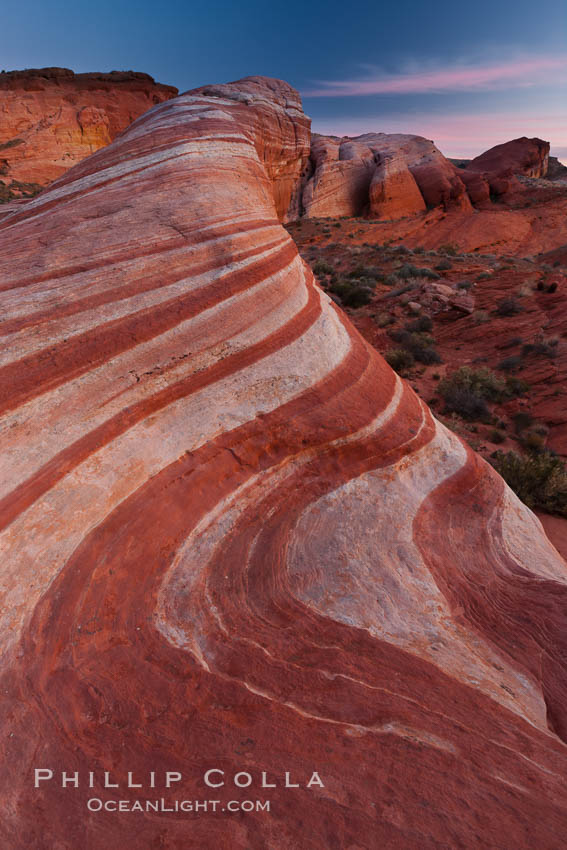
(233, 538)
(51, 118)
(529, 157)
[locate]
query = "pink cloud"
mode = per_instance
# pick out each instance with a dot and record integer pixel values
(465, 135)
(514, 73)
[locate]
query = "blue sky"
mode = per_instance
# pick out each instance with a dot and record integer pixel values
(466, 76)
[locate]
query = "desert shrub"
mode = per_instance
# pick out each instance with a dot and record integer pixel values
(362, 271)
(539, 480)
(322, 267)
(419, 250)
(408, 270)
(468, 390)
(401, 290)
(484, 276)
(428, 355)
(444, 265)
(391, 279)
(522, 420)
(479, 317)
(465, 403)
(401, 249)
(510, 364)
(351, 292)
(384, 319)
(421, 345)
(496, 436)
(552, 287)
(508, 307)
(357, 297)
(400, 359)
(545, 348)
(428, 273)
(464, 284)
(512, 342)
(421, 325)
(449, 248)
(533, 442)
(516, 386)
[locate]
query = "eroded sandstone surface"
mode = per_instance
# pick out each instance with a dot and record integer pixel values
(51, 118)
(383, 175)
(233, 538)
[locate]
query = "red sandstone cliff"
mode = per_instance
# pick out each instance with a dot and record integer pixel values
(232, 537)
(51, 118)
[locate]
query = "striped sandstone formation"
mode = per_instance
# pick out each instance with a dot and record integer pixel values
(233, 538)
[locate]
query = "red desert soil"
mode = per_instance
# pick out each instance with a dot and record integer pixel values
(232, 537)
(51, 118)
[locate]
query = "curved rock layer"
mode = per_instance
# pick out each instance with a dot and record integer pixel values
(51, 118)
(233, 538)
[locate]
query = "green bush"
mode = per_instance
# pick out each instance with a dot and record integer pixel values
(496, 436)
(467, 391)
(421, 345)
(546, 348)
(509, 307)
(539, 480)
(449, 249)
(352, 293)
(384, 319)
(400, 359)
(428, 273)
(423, 324)
(322, 267)
(510, 364)
(444, 265)
(408, 270)
(522, 420)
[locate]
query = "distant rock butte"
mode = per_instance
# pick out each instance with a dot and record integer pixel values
(528, 157)
(51, 118)
(379, 174)
(389, 176)
(232, 537)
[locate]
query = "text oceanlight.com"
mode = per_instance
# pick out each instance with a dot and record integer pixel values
(95, 804)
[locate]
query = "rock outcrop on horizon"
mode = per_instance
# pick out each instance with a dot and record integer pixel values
(383, 175)
(232, 537)
(527, 157)
(390, 176)
(52, 118)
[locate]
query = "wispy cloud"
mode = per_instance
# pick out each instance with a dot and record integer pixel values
(457, 134)
(484, 75)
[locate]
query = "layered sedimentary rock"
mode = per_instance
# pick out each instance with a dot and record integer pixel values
(51, 118)
(380, 174)
(528, 157)
(393, 190)
(233, 538)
